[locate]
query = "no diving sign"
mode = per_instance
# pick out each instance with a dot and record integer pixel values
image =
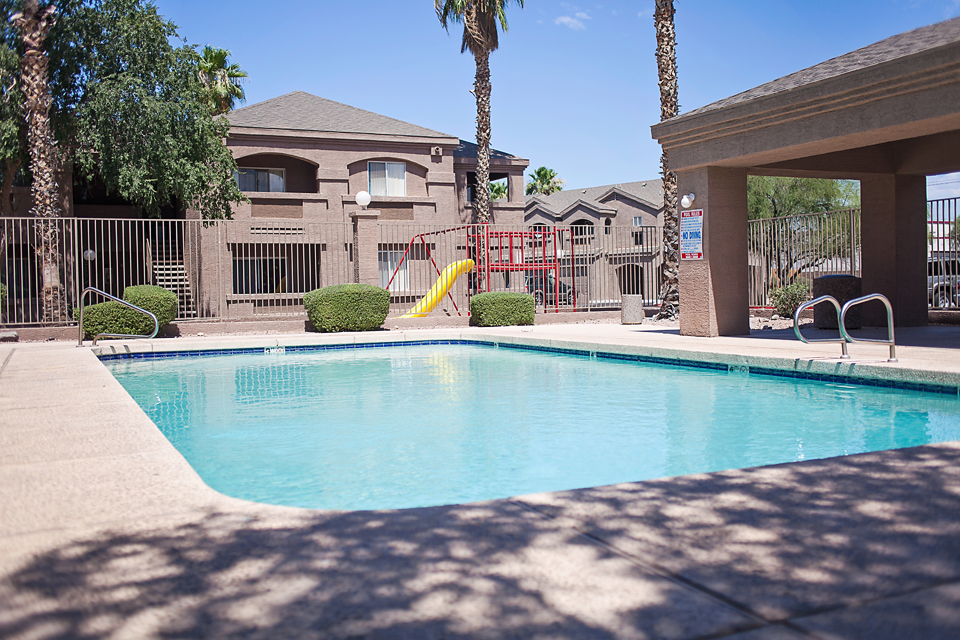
(691, 235)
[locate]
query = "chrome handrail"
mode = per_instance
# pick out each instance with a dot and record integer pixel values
(890, 340)
(812, 303)
(156, 323)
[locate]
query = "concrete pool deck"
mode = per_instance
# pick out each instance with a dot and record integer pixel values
(107, 532)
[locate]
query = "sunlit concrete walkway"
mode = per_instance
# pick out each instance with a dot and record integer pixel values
(106, 531)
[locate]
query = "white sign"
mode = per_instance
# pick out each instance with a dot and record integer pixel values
(691, 235)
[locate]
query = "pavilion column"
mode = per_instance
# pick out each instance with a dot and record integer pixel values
(713, 291)
(893, 234)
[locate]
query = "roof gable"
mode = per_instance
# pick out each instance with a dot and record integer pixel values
(645, 192)
(301, 111)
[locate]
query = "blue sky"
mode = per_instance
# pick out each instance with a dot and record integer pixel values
(574, 84)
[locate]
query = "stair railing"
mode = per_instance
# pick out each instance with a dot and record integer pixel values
(812, 303)
(890, 340)
(156, 323)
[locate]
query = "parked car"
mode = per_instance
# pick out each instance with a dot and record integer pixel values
(943, 279)
(547, 294)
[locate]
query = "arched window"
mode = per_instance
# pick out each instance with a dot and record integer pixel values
(582, 231)
(606, 225)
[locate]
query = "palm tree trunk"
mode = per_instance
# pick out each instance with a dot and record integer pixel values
(669, 107)
(481, 88)
(34, 24)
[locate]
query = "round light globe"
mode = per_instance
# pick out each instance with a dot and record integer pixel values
(89, 255)
(687, 200)
(363, 199)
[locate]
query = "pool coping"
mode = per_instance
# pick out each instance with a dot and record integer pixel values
(782, 552)
(825, 370)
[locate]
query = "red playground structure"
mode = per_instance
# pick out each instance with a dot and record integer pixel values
(536, 252)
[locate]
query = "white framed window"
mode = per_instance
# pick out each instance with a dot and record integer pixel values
(261, 179)
(637, 221)
(387, 262)
(387, 178)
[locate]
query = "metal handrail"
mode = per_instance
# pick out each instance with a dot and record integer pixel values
(890, 340)
(156, 323)
(843, 334)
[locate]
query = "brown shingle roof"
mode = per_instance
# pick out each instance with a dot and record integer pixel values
(301, 111)
(650, 191)
(898, 46)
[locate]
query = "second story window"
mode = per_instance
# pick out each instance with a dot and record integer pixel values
(261, 180)
(387, 178)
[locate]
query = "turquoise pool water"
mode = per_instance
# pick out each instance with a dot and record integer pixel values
(412, 426)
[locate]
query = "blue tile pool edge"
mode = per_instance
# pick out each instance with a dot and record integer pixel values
(930, 387)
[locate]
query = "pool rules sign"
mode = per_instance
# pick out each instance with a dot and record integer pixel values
(691, 235)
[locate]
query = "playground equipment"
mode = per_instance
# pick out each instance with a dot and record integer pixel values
(535, 252)
(429, 302)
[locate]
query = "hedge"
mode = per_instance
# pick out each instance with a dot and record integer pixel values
(113, 317)
(787, 299)
(501, 308)
(347, 307)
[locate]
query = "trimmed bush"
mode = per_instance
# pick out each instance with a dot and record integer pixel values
(113, 317)
(347, 307)
(787, 299)
(501, 309)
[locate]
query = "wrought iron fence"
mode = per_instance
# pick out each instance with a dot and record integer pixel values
(943, 253)
(563, 267)
(218, 269)
(789, 249)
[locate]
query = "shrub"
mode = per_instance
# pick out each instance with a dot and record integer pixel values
(113, 317)
(501, 308)
(787, 299)
(3, 293)
(347, 307)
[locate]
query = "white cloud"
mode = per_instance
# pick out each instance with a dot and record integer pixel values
(582, 16)
(567, 21)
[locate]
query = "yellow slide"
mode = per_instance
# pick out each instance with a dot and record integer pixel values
(430, 301)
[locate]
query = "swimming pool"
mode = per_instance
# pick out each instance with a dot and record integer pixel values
(420, 425)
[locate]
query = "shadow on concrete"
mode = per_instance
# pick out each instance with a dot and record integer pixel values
(934, 336)
(802, 539)
(475, 571)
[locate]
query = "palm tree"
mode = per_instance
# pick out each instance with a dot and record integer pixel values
(480, 36)
(544, 181)
(669, 107)
(34, 24)
(221, 80)
(498, 190)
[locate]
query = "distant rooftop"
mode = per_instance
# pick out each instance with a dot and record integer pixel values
(649, 191)
(301, 111)
(898, 46)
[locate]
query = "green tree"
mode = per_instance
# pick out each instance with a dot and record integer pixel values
(800, 223)
(669, 107)
(480, 36)
(773, 197)
(128, 107)
(544, 181)
(221, 80)
(498, 190)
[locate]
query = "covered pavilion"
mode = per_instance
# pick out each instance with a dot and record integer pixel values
(887, 115)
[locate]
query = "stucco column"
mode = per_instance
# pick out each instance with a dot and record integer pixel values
(365, 239)
(893, 236)
(713, 291)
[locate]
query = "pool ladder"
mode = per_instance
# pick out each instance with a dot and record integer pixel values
(841, 321)
(156, 323)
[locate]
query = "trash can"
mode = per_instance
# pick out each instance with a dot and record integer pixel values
(631, 311)
(842, 287)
